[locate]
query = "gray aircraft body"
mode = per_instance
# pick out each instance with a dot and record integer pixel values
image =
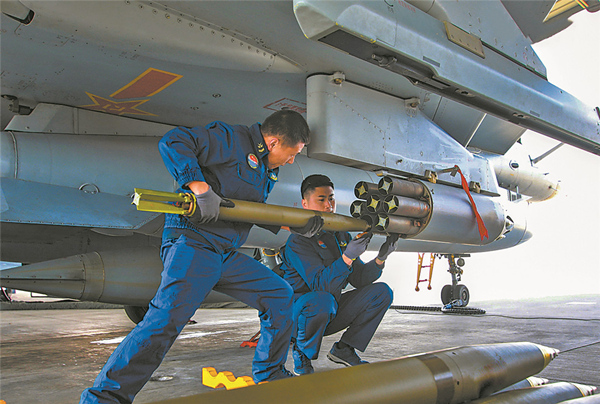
(411, 90)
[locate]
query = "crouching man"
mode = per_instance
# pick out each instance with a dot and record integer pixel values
(318, 269)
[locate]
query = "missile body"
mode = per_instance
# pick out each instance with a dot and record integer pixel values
(552, 393)
(525, 383)
(245, 211)
(260, 213)
(595, 399)
(448, 376)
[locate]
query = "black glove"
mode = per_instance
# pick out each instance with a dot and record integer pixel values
(357, 246)
(388, 247)
(312, 227)
(207, 207)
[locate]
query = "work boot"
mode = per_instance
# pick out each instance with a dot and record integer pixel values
(346, 356)
(302, 365)
(281, 373)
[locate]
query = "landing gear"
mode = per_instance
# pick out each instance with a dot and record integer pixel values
(455, 295)
(136, 313)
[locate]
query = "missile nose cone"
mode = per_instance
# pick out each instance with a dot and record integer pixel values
(585, 389)
(549, 353)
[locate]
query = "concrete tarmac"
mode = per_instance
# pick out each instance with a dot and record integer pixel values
(50, 356)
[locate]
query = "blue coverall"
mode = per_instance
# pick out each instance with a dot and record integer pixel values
(233, 161)
(316, 271)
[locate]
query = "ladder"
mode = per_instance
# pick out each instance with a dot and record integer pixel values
(421, 266)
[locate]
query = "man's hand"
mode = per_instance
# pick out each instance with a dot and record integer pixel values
(357, 246)
(207, 207)
(388, 247)
(312, 227)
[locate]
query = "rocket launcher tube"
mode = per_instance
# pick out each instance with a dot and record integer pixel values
(396, 186)
(245, 211)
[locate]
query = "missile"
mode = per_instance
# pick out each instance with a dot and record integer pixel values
(246, 211)
(552, 393)
(595, 399)
(396, 186)
(447, 376)
(529, 382)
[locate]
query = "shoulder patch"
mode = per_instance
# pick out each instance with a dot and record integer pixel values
(322, 244)
(252, 161)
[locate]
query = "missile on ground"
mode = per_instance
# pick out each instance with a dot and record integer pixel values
(449, 376)
(552, 393)
(396, 186)
(595, 399)
(525, 383)
(403, 206)
(363, 189)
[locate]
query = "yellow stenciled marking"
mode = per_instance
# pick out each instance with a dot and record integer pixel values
(226, 379)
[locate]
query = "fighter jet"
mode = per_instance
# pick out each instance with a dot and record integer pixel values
(426, 92)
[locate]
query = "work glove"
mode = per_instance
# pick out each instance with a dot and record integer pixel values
(388, 247)
(312, 227)
(357, 246)
(207, 207)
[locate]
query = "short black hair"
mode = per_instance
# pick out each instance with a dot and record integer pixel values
(289, 125)
(314, 181)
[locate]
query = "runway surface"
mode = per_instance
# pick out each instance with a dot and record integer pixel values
(52, 355)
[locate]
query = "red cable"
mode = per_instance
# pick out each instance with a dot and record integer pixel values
(483, 233)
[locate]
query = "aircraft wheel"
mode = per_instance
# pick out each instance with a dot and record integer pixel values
(136, 313)
(462, 292)
(447, 294)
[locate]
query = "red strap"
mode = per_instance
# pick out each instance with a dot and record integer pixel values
(483, 233)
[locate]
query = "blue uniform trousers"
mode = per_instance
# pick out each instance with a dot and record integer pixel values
(191, 270)
(360, 310)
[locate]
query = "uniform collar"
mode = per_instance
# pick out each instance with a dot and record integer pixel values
(259, 141)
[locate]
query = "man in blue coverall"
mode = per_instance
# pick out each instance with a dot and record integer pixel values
(199, 253)
(318, 268)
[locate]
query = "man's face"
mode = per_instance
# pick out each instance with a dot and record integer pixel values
(321, 199)
(280, 154)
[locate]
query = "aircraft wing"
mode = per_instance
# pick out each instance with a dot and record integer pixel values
(208, 60)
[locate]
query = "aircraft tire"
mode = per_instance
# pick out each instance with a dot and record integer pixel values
(136, 313)
(462, 292)
(446, 294)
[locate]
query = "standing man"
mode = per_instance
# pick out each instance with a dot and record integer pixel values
(318, 268)
(199, 253)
